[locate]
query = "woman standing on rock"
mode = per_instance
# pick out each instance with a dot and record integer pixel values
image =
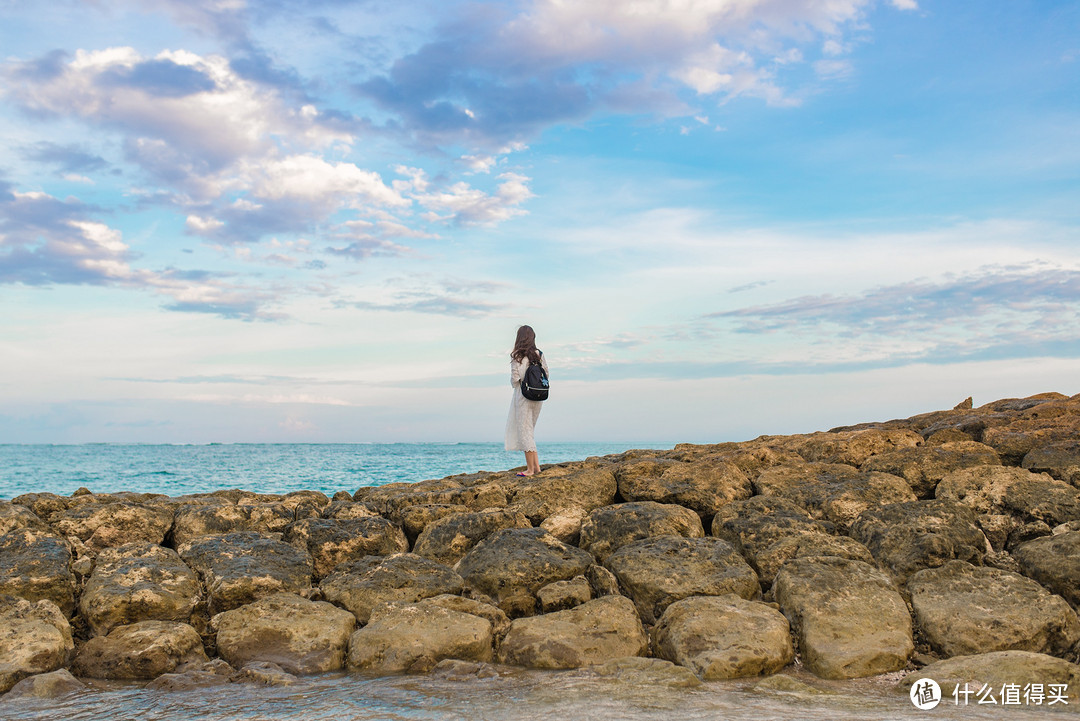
(523, 412)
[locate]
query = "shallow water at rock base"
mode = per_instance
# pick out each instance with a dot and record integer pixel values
(516, 694)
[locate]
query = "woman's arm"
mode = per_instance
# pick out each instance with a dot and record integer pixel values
(517, 370)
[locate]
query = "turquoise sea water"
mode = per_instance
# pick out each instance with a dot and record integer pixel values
(265, 468)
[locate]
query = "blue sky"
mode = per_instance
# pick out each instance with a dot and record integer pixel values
(225, 220)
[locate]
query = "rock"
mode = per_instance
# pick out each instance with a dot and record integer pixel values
(141, 650)
(477, 491)
(414, 519)
(238, 568)
(45, 506)
(1019, 668)
(333, 541)
(656, 572)
(414, 637)
(833, 491)
(1030, 496)
(35, 638)
(769, 531)
(1015, 440)
(703, 486)
(753, 459)
(14, 517)
(448, 539)
(298, 635)
(513, 564)
(853, 447)
(602, 581)
(35, 566)
(593, 633)
(964, 610)
(138, 582)
(1023, 533)
(724, 637)
(360, 586)
(644, 672)
(565, 524)
(1060, 459)
(499, 621)
(560, 595)
(195, 521)
(104, 525)
(194, 675)
(1053, 561)
(266, 673)
(964, 405)
(923, 467)
(346, 508)
(607, 529)
(46, 685)
(907, 537)
(849, 620)
(572, 486)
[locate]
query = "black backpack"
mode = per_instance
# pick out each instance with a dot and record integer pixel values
(534, 386)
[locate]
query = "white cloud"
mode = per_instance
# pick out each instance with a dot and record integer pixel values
(905, 4)
(313, 179)
(464, 205)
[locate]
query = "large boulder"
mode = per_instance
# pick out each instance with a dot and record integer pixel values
(360, 586)
(833, 491)
(14, 517)
(571, 486)
(923, 467)
(448, 539)
(298, 635)
(964, 610)
(907, 537)
(848, 618)
(104, 525)
(45, 506)
(512, 565)
(138, 582)
(45, 685)
(1019, 669)
(139, 651)
(1053, 561)
(414, 519)
(607, 529)
(331, 541)
(592, 633)
(703, 486)
(238, 568)
(998, 489)
(477, 491)
(656, 572)
(34, 638)
(769, 531)
(852, 447)
(196, 520)
(724, 637)
(414, 637)
(36, 566)
(499, 621)
(1060, 459)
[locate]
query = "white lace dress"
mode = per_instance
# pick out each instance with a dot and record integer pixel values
(523, 412)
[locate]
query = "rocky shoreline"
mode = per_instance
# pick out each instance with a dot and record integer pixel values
(947, 543)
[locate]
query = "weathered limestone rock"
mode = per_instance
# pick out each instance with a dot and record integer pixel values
(477, 491)
(499, 621)
(853, 447)
(1030, 496)
(566, 524)
(104, 525)
(238, 568)
(513, 564)
(14, 517)
(34, 638)
(1060, 459)
(448, 539)
(964, 610)
(832, 491)
(923, 467)
(298, 635)
(561, 595)
(360, 586)
(195, 521)
(43, 505)
(907, 537)
(703, 486)
(414, 637)
(36, 566)
(140, 650)
(194, 675)
(414, 519)
(724, 637)
(995, 669)
(1053, 561)
(607, 529)
(602, 581)
(572, 486)
(266, 673)
(752, 459)
(46, 685)
(348, 509)
(333, 541)
(593, 633)
(848, 618)
(647, 672)
(656, 572)
(769, 531)
(138, 582)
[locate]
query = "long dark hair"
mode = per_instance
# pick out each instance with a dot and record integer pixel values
(525, 345)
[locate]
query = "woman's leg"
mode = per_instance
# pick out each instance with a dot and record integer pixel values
(532, 462)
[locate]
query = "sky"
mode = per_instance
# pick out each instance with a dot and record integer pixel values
(324, 220)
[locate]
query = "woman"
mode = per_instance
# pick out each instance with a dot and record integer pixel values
(523, 412)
